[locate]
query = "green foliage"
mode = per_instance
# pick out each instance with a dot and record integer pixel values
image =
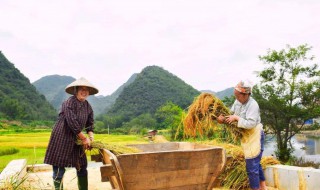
(315, 126)
(18, 98)
(288, 94)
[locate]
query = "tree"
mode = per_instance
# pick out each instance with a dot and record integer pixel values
(11, 108)
(228, 101)
(288, 94)
(168, 116)
(137, 124)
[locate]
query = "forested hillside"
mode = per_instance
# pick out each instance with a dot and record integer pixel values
(152, 88)
(19, 99)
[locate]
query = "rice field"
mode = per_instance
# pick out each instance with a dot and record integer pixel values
(32, 146)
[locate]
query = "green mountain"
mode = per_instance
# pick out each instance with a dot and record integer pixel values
(116, 94)
(19, 99)
(225, 93)
(221, 94)
(152, 88)
(53, 88)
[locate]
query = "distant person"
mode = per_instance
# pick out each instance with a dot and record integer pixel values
(246, 112)
(76, 115)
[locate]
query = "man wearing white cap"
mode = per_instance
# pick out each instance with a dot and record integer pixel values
(76, 115)
(247, 113)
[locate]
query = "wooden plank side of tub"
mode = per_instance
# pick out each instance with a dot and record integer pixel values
(115, 176)
(175, 170)
(156, 147)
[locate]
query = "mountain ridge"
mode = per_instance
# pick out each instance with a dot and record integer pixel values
(19, 98)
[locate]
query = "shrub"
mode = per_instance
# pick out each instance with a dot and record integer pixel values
(8, 151)
(303, 163)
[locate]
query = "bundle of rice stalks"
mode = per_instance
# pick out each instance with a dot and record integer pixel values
(268, 160)
(116, 149)
(234, 175)
(202, 115)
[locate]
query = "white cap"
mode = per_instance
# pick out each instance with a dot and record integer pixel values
(244, 86)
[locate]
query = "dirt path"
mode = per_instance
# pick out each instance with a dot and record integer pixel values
(160, 139)
(43, 180)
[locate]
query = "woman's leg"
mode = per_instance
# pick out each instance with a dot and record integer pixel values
(82, 174)
(57, 176)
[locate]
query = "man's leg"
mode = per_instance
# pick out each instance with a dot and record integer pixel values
(252, 167)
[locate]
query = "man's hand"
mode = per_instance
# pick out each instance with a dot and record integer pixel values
(232, 118)
(221, 119)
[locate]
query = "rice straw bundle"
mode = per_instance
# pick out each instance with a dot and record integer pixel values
(268, 160)
(114, 148)
(202, 115)
(234, 175)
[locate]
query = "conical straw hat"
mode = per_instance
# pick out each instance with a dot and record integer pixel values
(70, 89)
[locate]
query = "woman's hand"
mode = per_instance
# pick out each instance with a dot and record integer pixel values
(90, 133)
(86, 143)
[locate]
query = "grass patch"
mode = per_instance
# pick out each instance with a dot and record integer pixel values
(16, 182)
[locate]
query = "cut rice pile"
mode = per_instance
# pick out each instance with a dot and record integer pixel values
(234, 175)
(116, 149)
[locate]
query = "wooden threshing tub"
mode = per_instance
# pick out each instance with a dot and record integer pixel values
(170, 166)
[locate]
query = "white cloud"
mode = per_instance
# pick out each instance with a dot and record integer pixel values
(208, 44)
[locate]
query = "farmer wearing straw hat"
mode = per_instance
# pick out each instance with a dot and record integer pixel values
(247, 113)
(76, 115)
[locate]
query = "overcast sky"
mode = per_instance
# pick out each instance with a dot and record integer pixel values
(209, 44)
